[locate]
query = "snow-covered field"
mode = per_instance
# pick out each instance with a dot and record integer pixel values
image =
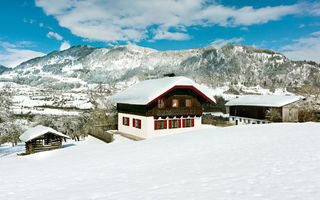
(272, 161)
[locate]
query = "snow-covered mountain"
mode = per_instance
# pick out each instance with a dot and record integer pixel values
(215, 67)
(3, 69)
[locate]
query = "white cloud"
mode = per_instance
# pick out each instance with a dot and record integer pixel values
(55, 35)
(65, 45)
(221, 42)
(165, 35)
(14, 54)
(306, 48)
(123, 20)
(315, 33)
(244, 28)
(29, 21)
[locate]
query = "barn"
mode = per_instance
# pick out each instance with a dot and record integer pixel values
(42, 138)
(252, 109)
(160, 107)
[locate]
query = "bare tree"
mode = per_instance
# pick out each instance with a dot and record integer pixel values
(273, 115)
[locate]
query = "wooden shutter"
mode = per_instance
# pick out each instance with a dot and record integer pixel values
(128, 120)
(179, 123)
(170, 124)
(139, 123)
(123, 121)
(134, 122)
(183, 123)
(165, 124)
(155, 125)
(192, 122)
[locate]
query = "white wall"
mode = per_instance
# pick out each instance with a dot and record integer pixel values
(147, 127)
(245, 120)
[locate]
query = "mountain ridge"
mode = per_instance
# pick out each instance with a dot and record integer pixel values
(4, 69)
(213, 66)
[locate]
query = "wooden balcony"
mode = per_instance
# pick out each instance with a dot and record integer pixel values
(176, 111)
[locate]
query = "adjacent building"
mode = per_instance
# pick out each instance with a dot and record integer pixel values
(42, 138)
(159, 107)
(252, 109)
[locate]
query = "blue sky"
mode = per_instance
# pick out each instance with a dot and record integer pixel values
(31, 28)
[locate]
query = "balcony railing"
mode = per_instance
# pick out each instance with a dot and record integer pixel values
(177, 111)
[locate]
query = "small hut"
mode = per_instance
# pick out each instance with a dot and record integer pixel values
(42, 138)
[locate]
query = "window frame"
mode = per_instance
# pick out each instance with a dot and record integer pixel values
(126, 121)
(186, 102)
(137, 123)
(174, 121)
(188, 123)
(177, 103)
(48, 143)
(163, 102)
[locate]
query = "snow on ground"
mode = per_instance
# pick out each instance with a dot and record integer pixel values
(271, 161)
(6, 149)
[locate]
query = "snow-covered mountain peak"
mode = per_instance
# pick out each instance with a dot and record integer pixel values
(212, 66)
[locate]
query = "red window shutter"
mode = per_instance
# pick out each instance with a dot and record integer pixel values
(183, 123)
(179, 123)
(123, 121)
(139, 124)
(134, 122)
(192, 122)
(155, 125)
(170, 124)
(165, 124)
(128, 120)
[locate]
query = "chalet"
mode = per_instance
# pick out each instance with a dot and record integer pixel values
(42, 138)
(161, 107)
(252, 109)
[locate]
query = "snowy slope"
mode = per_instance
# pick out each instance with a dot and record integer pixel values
(274, 161)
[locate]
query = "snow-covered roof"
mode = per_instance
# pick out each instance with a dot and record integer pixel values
(145, 92)
(37, 131)
(263, 100)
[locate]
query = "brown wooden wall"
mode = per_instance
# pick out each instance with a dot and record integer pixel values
(153, 110)
(36, 145)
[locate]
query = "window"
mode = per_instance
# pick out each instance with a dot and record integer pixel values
(125, 121)
(175, 123)
(160, 103)
(46, 142)
(188, 103)
(175, 103)
(187, 123)
(136, 123)
(160, 124)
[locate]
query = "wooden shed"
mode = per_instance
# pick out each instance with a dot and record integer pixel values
(252, 109)
(42, 138)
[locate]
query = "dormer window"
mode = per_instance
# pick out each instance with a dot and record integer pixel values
(160, 103)
(175, 103)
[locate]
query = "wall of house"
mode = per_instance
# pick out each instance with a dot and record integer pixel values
(147, 126)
